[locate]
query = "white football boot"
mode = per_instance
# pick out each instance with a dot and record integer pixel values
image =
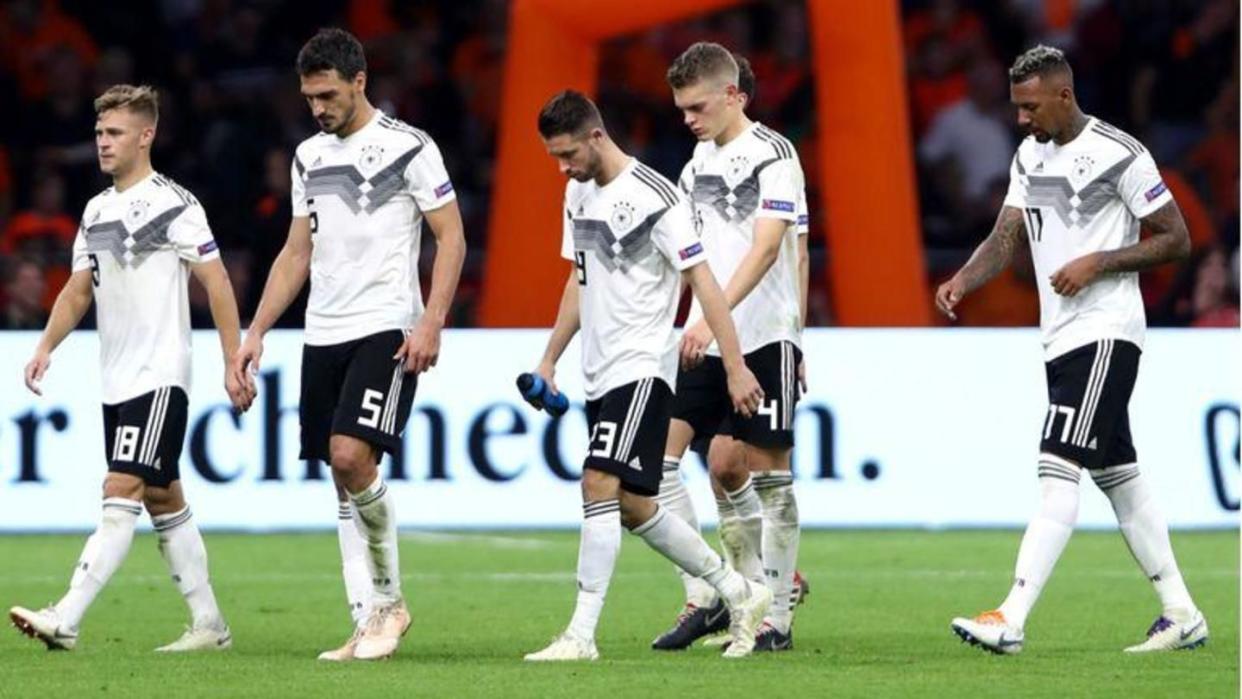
(346, 652)
(45, 626)
(383, 631)
(991, 632)
(745, 620)
(565, 647)
(204, 639)
(1166, 634)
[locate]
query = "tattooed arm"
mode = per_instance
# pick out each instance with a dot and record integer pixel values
(989, 259)
(1168, 241)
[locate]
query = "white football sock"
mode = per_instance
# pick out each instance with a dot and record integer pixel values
(182, 547)
(1045, 538)
(677, 542)
(743, 535)
(674, 497)
(781, 534)
(727, 517)
(1147, 534)
(377, 520)
(354, 564)
(597, 557)
(102, 555)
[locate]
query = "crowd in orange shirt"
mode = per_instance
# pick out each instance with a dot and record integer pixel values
(231, 115)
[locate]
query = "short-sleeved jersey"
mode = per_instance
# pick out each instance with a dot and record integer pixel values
(629, 240)
(756, 175)
(138, 245)
(1082, 197)
(365, 195)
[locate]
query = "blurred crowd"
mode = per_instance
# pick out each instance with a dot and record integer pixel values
(1164, 70)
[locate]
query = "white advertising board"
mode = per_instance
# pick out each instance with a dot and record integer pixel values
(900, 427)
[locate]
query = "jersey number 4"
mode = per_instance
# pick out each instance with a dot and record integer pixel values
(94, 269)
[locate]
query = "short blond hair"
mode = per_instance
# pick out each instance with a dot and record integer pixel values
(139, 99)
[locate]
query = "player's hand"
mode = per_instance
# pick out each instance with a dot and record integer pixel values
(949, 295)
(744, 391)
(802, 375)
(547, 372)
(421, 349)
(240, 388)
(1076, 275)
(245, 362)
(694, 343)
(35, 370)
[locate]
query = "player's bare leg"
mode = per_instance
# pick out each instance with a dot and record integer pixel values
(183, 550)
(355, 466)
(105, 550)
(772, 476)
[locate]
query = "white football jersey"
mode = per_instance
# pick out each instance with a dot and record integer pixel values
(139, 245)
(630, 240)
(1083, 197)
(365, 195)
(756, 175)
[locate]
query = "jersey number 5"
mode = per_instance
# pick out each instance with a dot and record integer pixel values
(371, 404)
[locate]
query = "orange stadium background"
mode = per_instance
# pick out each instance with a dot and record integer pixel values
(875, 272)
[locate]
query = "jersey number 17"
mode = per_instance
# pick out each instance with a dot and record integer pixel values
(1034, 223)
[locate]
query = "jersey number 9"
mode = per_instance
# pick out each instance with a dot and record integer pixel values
(580, 265)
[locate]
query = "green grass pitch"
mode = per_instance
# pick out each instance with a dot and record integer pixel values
(875, 625)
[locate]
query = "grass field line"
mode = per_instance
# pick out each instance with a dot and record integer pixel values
(569, 576)
(500, 542)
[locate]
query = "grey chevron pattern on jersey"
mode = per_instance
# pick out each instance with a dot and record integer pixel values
(354, 189)
(388, 181)
(1074, 207)
(713, 191)
(108, 236)
(634, 247)
(111, 236)
(341, 181)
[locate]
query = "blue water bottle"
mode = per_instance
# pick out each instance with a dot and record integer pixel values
(538, 393)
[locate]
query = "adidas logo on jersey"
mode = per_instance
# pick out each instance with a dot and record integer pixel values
(635, 464)
(1091, 444)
